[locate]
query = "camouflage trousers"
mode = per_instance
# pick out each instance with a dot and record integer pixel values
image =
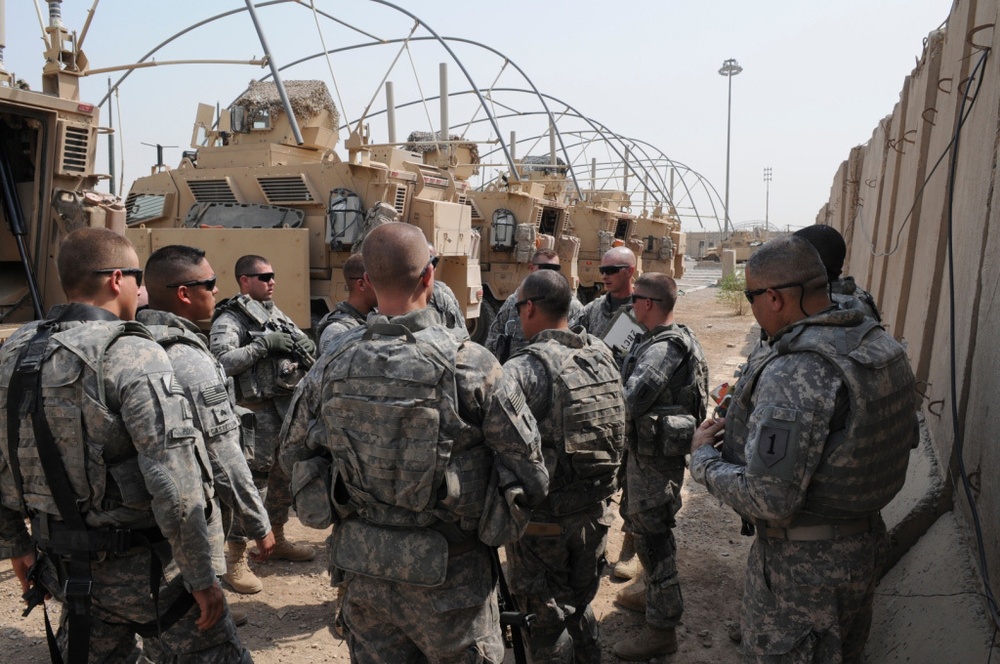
(811, 601)
(272, 482)
(556, 578)
(457, 622)
(120, 595)
(651, 499)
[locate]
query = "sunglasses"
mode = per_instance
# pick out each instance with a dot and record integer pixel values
(261, 276)
(209, 284)
(635, 298)
(612, 269)
(433, 262)
(130, 271)
(751, 294)
(546, 266)
(518, 305)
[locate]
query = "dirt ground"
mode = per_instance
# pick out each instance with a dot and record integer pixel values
(289, 619)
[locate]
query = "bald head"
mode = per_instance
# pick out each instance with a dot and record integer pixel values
(830, 245)
(619, 256)
(395, 256)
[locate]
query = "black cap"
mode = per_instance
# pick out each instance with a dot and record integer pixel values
(829, 243)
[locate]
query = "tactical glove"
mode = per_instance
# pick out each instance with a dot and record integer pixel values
(307, 345)
(277, 342)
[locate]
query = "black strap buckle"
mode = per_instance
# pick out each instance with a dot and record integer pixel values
(74, 588)
(119, 541)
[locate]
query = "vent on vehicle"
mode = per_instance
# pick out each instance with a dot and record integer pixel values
(400, 202)
(212, 191)
(75, 146)
(291, 189)
(143, 207)
(475, 210)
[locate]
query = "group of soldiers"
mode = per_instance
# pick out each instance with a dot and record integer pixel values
(136, 447)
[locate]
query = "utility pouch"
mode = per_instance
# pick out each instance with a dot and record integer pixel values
(311, 492)
(417, 556)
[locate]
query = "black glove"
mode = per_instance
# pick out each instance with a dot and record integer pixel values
(277, 342)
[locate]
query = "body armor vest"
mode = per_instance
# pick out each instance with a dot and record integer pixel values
(863, 465)
(686, 393)
(100, 461)
(583, 432)
(402, 454)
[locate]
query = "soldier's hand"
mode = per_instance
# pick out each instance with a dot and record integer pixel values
(710, 432)
(211, 603)
(21, 566)
(265, 546)
(306, 344)
(277, 342)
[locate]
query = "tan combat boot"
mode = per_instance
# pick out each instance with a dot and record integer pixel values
(238, 574)
(285, 550)
(649, 643)
(633, 596)
(628, 564)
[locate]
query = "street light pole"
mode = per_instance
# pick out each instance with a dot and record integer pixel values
(767, 195)
(729, 69)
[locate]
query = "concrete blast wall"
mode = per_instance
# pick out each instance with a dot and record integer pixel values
(890, 200)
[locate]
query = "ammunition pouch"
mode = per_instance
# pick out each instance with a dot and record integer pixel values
(311, 492)
(416, 556)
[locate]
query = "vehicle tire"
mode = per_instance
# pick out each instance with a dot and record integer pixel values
(479, 328)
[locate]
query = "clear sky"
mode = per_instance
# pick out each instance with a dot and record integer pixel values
(817, 75)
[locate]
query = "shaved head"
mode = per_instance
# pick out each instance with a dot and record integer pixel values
(619, 256)
(395, 255)
(88, 249)
(787, 260)
(549, 285)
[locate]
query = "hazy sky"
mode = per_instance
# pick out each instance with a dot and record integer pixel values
(817, 75)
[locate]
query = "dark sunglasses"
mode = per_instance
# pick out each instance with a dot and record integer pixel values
(635, 298)
(261, 276)
(209, 284)
(433, 262)
(547, 266)
(130, 271)
(518, 305)
(751, 294)
(612, 269)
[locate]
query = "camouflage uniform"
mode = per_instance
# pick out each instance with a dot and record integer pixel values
(845, 290)
(145, 467)
(234, 344)
(484, 452)
(344, 317)
(208, 389)
(666, 388)
(452, 312)
(596, 315)
(556, 576)
(506, 336)
(827, 419)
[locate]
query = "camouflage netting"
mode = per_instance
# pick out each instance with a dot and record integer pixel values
(544, 164)
(308, 99)
(420, 141)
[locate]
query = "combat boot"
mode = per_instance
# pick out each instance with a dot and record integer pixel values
(633, 596)
(628, 564)
(240, 616)
(285, 550)
(649, 643)
(238, 574)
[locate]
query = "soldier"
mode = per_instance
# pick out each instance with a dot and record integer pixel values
(265, 353)
(443, 300)
(505, 336)
(98, 449)
(574, 390)
(666, 391)
(432, 456)
(353, 311)
(617, 269)
(832, 250)
(827, 421)
(182, 290)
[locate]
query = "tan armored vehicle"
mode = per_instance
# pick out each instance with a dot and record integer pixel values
(48, 145)
(247, 186)
(743, 242)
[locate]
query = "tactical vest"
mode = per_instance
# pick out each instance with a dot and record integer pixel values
(864, 465)
(402, 454)
(583, 432)
(686, 393)
(273, 375)
(99, 483)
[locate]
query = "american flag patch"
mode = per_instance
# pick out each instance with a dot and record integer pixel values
(517, 400)
(214, 394)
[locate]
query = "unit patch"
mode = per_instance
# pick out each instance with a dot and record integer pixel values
(772, 446)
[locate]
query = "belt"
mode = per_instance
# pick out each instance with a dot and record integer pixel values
(257, 406)
(56, 537)
(829, 531)
(543, 529)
